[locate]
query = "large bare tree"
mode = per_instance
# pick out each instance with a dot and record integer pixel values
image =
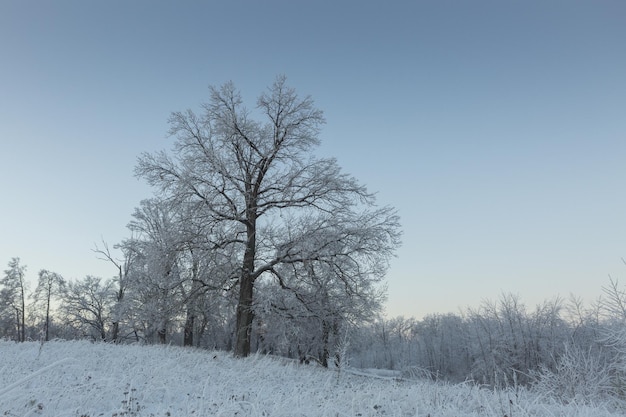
(260, 180)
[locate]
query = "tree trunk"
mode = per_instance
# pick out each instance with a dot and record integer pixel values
(119, 298)
(23, 338)
(192, 298)
(188, 332)
(162, 336)
(17, 322)
(325, 347)
(339, 348)
(245, 314)
(115, 332)
(103, 335)
(47, 337)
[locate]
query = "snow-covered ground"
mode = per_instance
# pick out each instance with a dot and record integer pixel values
(84, 379)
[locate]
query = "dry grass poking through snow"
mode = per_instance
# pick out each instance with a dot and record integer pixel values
(89, 380)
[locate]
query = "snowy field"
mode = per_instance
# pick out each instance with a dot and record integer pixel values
(88, 380)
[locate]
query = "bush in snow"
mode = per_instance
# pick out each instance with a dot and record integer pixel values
(580, 376)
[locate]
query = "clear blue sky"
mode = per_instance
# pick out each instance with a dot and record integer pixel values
(497, 128)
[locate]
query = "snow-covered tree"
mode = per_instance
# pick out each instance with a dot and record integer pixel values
(206, 268)
(86, 307)
(510, 341)
(50, 285)
(258, 179)
(155, 279)
(330, 274)
(123, 267)
(208, 280)
(13, 295)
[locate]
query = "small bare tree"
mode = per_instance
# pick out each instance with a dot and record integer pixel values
(86, 306)
(123, 267)
(14, 293)
(50, 285)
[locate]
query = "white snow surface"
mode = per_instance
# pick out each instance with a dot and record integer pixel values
(84, 379)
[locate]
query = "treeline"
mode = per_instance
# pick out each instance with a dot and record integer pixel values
(566, 349)
(183, 297)
(561, 347)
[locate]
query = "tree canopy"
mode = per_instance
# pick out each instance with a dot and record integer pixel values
(275, 202)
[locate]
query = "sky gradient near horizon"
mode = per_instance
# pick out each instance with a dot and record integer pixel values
(498, 129)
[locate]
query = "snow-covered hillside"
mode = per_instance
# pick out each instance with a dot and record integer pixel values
(84, 379)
